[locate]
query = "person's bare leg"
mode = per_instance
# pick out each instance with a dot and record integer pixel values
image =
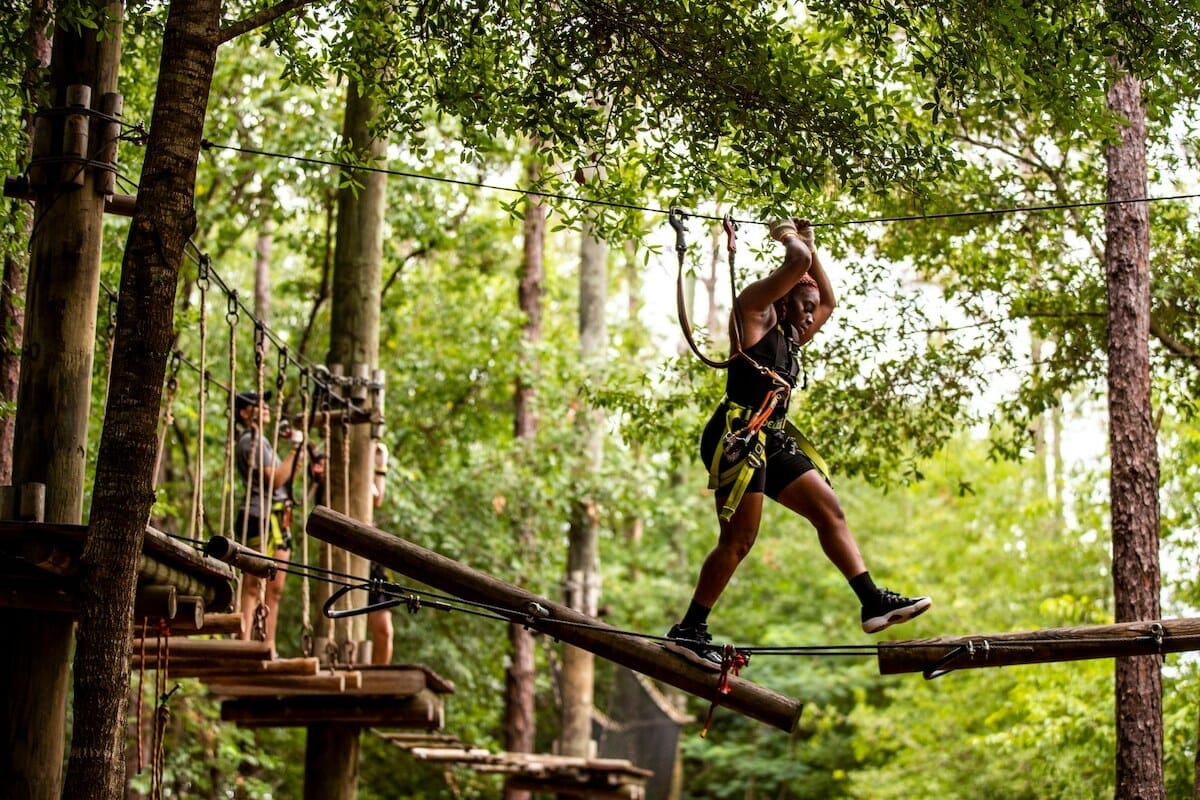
(274, 595)
(380, 623)
(249, 602)
(736, 539)
(812, 498)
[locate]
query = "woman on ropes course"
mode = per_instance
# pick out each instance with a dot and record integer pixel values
(264, 516)
(752, 450)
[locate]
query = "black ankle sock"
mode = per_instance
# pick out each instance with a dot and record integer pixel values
(696, 615)
(864, 587)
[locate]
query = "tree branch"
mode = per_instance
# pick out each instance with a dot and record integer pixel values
(264, 17)
(1173, 345)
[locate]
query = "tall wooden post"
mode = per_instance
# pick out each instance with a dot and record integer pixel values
(54, 394)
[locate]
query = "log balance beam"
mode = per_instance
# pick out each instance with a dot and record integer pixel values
(937, 656)
(580, 630)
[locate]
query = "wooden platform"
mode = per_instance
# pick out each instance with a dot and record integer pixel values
(259, 690)
(550, 774)
(39, 562)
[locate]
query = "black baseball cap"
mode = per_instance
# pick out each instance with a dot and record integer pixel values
(246, 399)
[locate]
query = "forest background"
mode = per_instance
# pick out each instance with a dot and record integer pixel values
(958, 392)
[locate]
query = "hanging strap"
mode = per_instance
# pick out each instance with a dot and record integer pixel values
(676, 217)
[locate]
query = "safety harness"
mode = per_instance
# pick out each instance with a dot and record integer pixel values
(743, 448)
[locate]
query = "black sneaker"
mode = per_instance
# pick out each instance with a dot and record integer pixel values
(693, 643)
(890, 609)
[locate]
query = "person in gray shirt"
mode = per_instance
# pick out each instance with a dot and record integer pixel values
(264, 510)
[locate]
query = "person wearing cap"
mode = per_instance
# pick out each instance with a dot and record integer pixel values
(264, 510)
(753, 451)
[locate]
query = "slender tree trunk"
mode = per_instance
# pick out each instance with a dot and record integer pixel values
(124, 485)
(520, 727)
(16, 262)
(262, 270)
(354, 346)
(1134, 481)
(583, 559)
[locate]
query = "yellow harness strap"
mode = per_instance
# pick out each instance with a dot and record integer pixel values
(737, 476)
(808, 449)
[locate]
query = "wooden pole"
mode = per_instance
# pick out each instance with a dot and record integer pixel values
(560, 622)
(182, 649)
(940, 655)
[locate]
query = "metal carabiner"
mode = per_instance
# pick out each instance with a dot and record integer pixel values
(676, 217)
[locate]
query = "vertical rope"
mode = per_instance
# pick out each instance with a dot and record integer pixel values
(196, 520)
(141, 693)
(306, 627)
(327, 550)
(227, 502)
(280, 368)
(168, 415)
(256, 464)
(345, 509)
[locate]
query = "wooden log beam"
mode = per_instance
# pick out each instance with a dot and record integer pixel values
(939, 655)
(155, 601)
(37, 593)
(421, 712)
(392, 682)
(560, 622)
(230, 669)
(281, 685)
(187, 623)
(407, 741)
(182, 649)
(226, 623)
(55, 548)
(121, 205)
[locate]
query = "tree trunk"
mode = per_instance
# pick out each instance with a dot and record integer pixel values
(262, 270)
(16, 262)
(1134, 452)
(583, 561)
(124, 485)
(49, 440)
(520, 727)
(354, 348)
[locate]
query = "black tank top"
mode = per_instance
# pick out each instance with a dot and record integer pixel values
(779, 351)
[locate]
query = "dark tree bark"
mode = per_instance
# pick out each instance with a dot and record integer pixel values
(124, 486)
(1134, 451)
(16, 262)
(519, 681)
